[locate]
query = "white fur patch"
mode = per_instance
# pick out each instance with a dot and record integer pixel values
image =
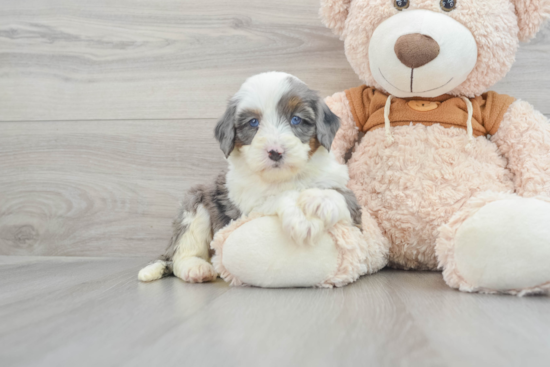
(258, 253)
(152, 271)
(190, 260)
(253, 194)
(505, 246)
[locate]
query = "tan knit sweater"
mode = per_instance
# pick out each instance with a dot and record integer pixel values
(367, 106)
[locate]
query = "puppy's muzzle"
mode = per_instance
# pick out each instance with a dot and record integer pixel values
(275, 155)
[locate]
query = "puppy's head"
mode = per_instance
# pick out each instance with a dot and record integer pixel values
(275, 123)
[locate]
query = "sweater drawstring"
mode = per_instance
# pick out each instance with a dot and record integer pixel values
(389, 135)
(469, 125)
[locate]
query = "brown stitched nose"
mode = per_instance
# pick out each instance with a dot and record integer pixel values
(274, 155)
(416, 50)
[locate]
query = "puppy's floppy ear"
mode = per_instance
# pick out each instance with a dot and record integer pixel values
(531, 16)
(327, 124)
(225, 129)
(334, 14)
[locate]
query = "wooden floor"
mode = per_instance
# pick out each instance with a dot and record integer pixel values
(59, 311)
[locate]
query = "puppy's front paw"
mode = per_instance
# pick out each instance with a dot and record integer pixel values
(194, 270)
(323, 204)
(301, 230)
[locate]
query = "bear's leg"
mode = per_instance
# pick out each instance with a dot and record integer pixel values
(497, 243)
(377, 245)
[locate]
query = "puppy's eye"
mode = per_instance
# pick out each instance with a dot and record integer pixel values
(296, 120)
(401, 4)
(254, 122)
(448, 5)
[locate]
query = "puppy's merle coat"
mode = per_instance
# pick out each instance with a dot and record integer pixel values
(276, 134)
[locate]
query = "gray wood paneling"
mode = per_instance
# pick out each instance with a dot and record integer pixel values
(98, 188)
(93, 312)
(80, 59)
(107, 108)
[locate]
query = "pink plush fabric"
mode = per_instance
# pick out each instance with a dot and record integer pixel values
(494, 24)
(531, 15)
(421, 187)
(347, 135)
(378, 246)
(416, 184)
(352, 251)
(445, 245)
(359, 253)
(334, 13)
(524, 139)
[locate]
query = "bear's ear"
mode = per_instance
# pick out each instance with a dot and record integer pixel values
(531, 16)
(334, 14)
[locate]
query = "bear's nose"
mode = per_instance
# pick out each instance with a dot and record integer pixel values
(416, 50)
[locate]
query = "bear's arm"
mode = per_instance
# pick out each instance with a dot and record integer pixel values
(348, 133)
(524, 139)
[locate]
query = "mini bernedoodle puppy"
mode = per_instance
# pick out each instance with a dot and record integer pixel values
(276, 134)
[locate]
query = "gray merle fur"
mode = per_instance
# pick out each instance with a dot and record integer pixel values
(244, 133)
(353, 206)
(215, 199)
(225, 129)
(318, 121)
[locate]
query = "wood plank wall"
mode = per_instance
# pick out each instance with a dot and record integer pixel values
(107, 108)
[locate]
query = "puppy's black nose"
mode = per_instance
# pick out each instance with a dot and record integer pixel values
(274, 155)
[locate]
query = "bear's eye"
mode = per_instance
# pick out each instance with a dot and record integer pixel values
(448, 5)
(401, 4)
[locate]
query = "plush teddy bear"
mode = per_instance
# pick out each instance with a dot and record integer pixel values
(456, 177)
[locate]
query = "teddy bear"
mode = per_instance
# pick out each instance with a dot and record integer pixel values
(454, 176)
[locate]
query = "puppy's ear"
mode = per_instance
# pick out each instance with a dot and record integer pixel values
(531, 16)
(327, 124)
(225, 129)
(334, 14)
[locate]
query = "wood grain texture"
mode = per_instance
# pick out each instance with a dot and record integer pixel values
(76, 59)
(99, 188)
(107, 108)
(93, 312)
(92, 60)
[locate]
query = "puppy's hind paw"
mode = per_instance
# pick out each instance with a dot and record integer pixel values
(194, 270)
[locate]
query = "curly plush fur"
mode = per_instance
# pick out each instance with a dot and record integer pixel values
(524, 139)
(422, 186)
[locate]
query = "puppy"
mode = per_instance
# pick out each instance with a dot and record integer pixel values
(276, 134)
